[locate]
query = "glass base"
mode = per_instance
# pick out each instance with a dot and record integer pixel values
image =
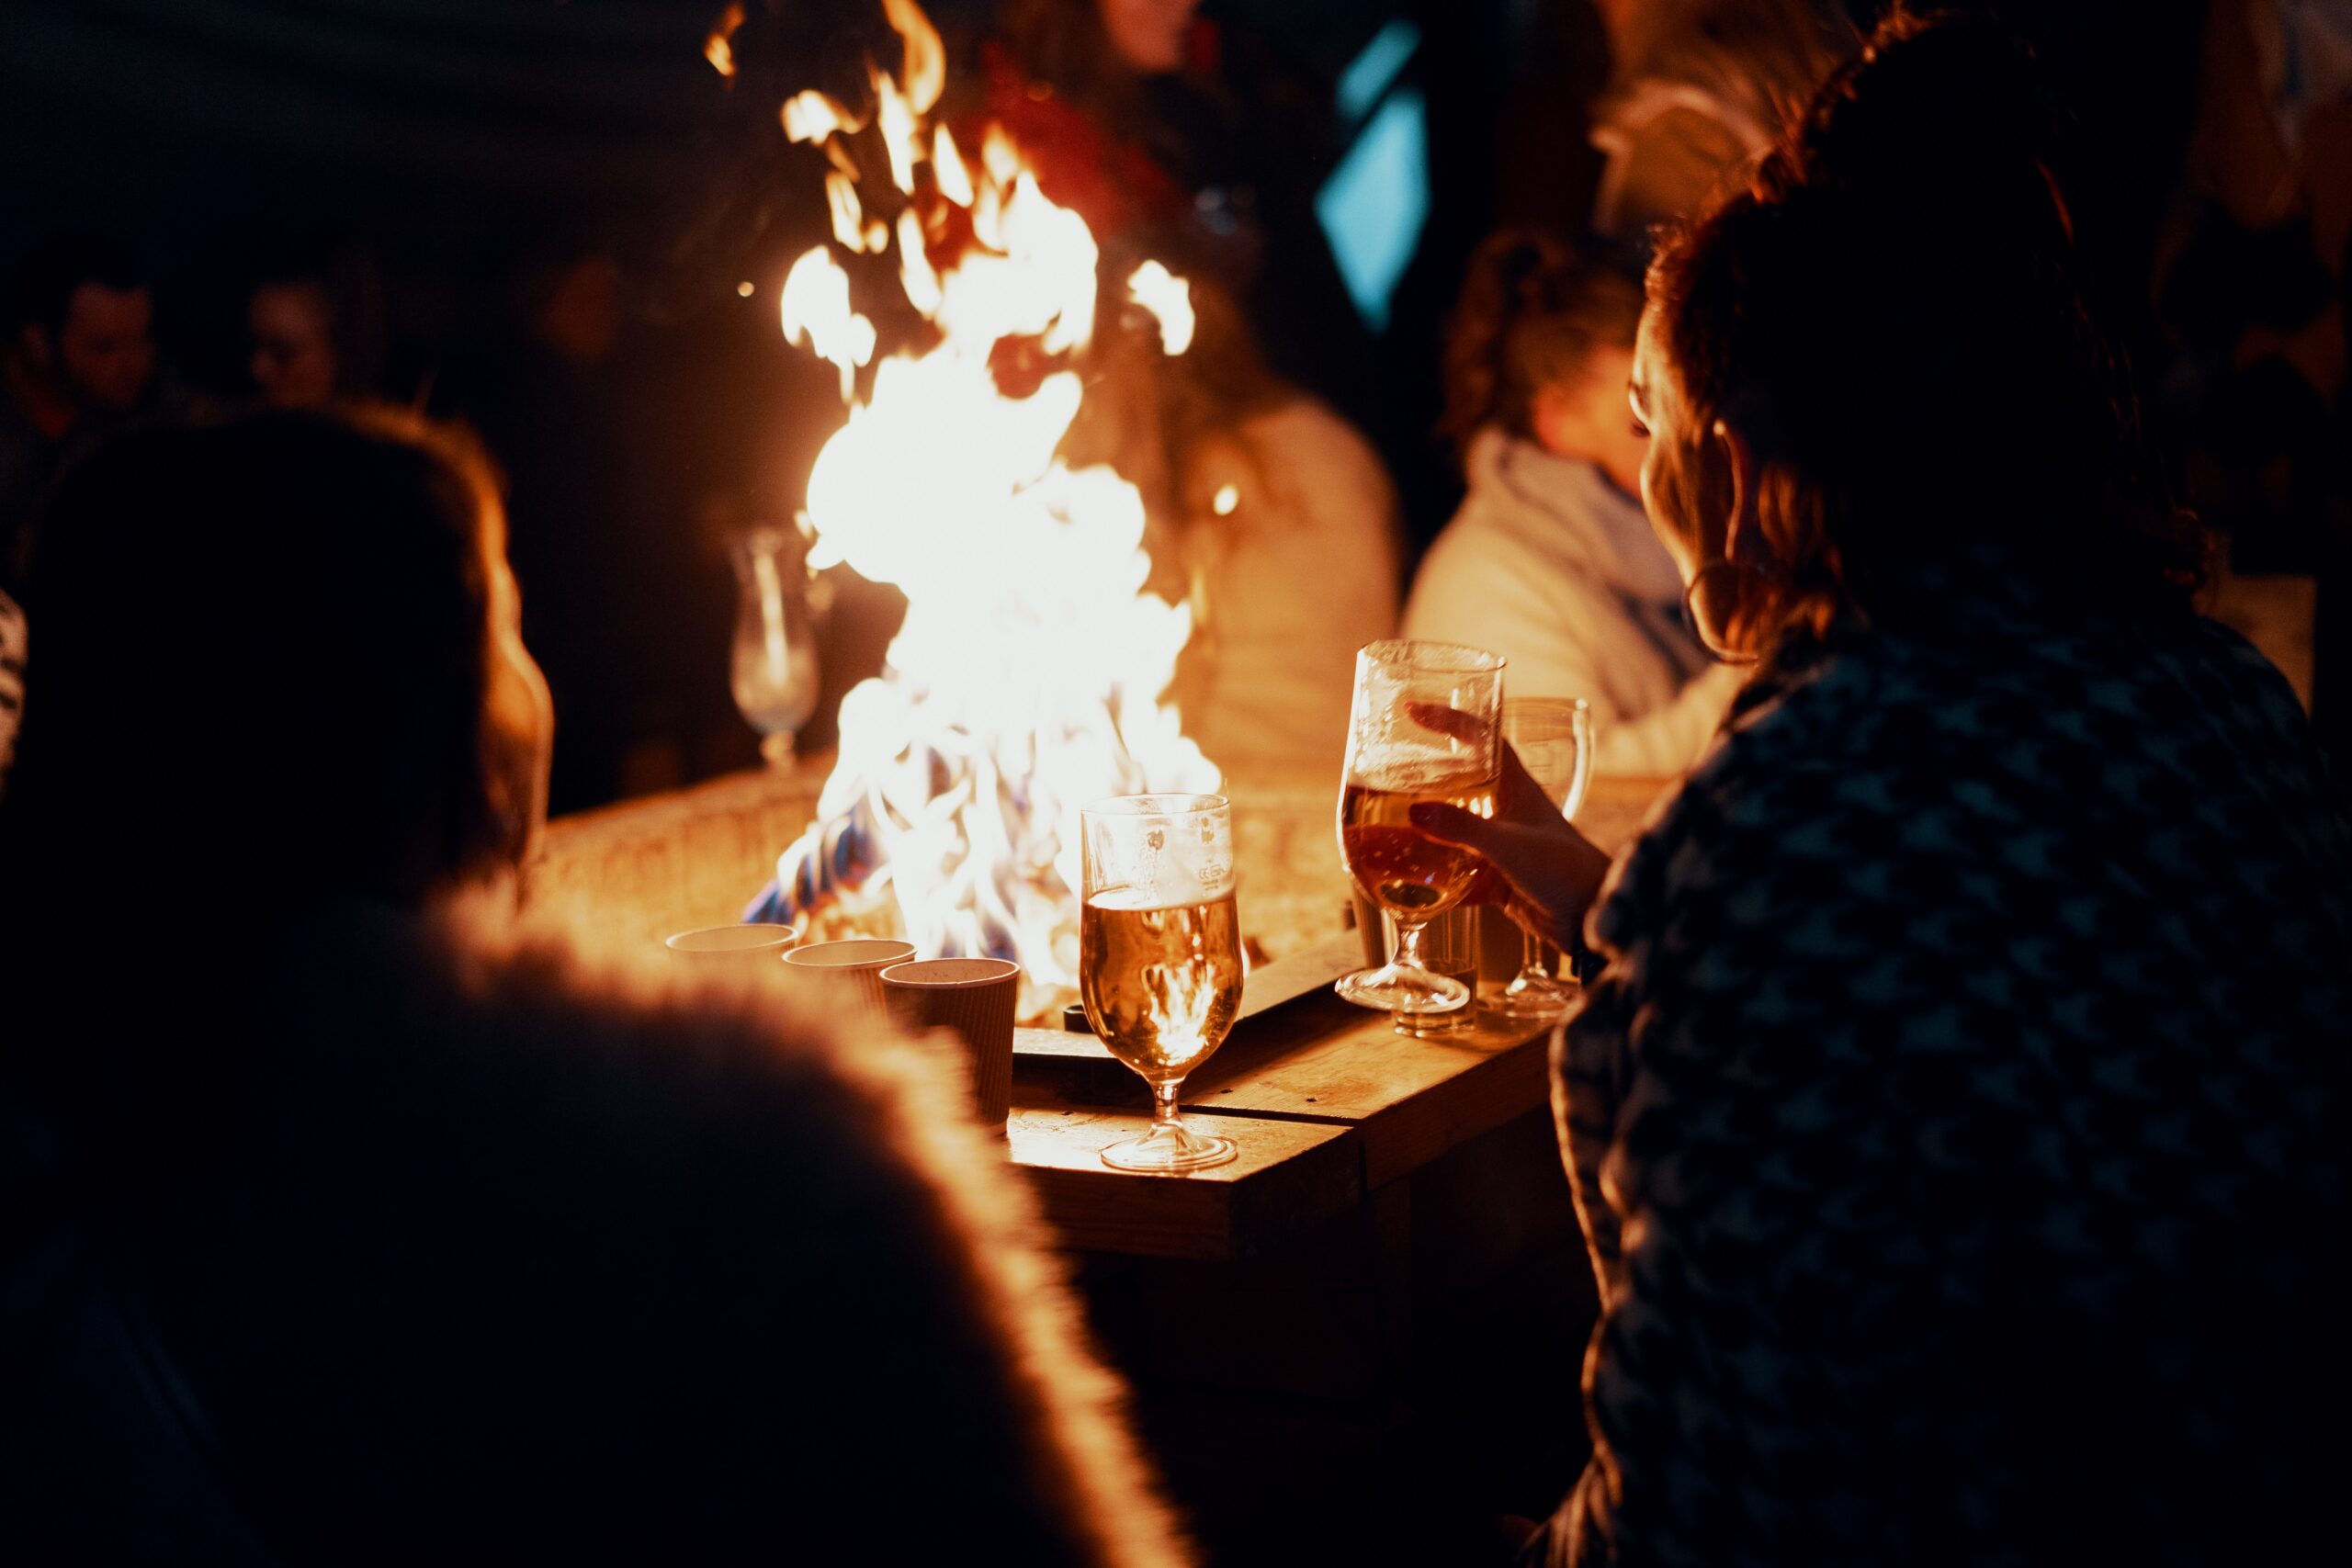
(1168, 1146)
(1535, 995)
(1437, 1025)
(1397, 987)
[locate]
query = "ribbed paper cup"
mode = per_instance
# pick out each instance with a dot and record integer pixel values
(976, 998)
(749, 942)
(854, 966)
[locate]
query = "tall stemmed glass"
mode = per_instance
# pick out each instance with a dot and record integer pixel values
(775, 654)
(1396, 761)
(1160, 955)
(1554, 738)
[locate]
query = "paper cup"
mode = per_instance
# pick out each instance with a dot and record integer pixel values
(855, 966)
(975, 998)
(744, 942)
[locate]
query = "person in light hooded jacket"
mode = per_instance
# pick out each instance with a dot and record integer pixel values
(1550, 560)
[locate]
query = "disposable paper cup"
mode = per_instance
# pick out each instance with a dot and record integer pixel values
(745, 942)
(855, 965)
(976, 998)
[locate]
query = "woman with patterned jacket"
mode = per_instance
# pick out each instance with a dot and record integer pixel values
(1958, 1124)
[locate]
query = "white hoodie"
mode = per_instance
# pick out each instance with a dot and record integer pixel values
(1552, 567)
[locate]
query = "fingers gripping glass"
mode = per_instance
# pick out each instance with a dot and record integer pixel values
(1397, 759)
(1552, 737)
(1160, 955)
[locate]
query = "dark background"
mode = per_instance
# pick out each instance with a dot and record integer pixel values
(466, 142)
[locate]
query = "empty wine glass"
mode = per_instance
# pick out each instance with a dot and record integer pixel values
(776, 658)
(1160, 955)
(1554, 738)
(1395, 760)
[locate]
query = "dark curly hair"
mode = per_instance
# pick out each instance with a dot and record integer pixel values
(1891, 313)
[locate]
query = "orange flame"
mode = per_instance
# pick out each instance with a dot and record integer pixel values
(1026, 678)
(849, 216)
(719, 49)
(1170, 300)
(816, 311)
(813, 117)
(925, 66)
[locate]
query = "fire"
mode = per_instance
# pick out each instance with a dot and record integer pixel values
(1170, 300)
(817, 315)
(720, 47)
(1027, 677)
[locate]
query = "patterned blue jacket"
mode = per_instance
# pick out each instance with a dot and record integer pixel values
(1957, 1127)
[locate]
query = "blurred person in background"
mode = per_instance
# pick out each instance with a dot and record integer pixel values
(1698, 89)
(1273, 518)
(79, 361)
(1183, 138)
(629, 612)
(316, 314)
(1551, 561)
(373, 1220)
(2253, 291)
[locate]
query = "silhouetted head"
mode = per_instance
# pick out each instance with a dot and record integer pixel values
(275, 660)
(1873, 367)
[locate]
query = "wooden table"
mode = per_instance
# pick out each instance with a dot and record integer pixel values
(1363, 1332)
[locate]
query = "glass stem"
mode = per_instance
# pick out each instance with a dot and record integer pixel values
(1408, 945)
(1530, 955)
(1163, 1106)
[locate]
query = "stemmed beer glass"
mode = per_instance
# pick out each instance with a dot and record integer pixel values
(1554, 738)
(1160, 955)
(775, 654)
(1397, 761)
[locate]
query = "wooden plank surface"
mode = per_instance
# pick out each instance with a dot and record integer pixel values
(1289, 1178)
(1321, 1059)
(1412, 1098)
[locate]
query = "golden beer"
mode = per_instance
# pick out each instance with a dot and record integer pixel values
(1160, 983)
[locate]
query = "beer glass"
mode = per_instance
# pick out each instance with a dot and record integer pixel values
(1160, 955)
(1554, 738)
(1395, 761)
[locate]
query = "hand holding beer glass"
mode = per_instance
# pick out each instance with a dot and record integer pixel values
(1160, 955)
(1397, 761)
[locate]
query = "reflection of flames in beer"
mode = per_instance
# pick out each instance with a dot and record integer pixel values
(1026, 678)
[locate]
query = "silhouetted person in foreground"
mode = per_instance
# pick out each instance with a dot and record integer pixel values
(1958, 1125)
(343, 1220)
